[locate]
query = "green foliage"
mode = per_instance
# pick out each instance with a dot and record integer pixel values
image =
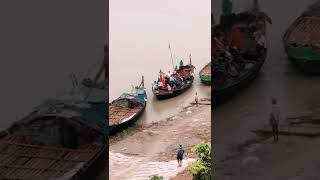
(156, 177)
(201, 168)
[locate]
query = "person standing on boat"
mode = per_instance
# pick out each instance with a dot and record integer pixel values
(181, 65)
(180, 155)
(274, 120)
(160, 73)
(163, 80)
(155, 85)
(226, 18)
(227, 7)
(171, 80)
(235, 36)
(261, 41)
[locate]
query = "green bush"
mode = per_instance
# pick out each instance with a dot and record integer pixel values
(201, 168)
(156, 177)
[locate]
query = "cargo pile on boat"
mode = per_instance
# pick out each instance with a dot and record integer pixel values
(302, 40)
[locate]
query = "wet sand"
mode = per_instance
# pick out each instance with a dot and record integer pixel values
(292, 157)
(152, 149)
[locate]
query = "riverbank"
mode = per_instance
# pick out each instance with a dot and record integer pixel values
(258, 157)
(152, 150)
(291, 158)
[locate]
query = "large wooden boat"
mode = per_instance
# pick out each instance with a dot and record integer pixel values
(238, 74)
(63, 138)
(302, 40)
(58, 140)
(126, 110)
(165, 93)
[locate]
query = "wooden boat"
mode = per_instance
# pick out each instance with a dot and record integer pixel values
(229, 82)
(302, 40)
(63, 138)
(205, 74)
(126, 110)
(59, 140)
(164, 93)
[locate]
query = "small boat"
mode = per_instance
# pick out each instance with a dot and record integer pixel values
(186, 83)
(126, 110)
(63, 138)
(243, 65)
(205, 74)
(302, 40)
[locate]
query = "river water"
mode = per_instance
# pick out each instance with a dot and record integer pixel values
(41, 44)
(140, 32)
(295, 91)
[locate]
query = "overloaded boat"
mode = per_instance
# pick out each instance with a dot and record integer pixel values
(239, 50)
(302, 40)
(126, 110)
(63, 138)
(205, 74)
(175, 83)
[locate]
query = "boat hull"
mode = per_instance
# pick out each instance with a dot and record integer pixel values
(306, 60)
(206, 82)
(114, 129)
(173, 94)
(300, 43)
(222, 96)
(97, 165)
(205, 77)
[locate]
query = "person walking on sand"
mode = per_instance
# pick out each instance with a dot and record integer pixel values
(180, 155)
(274, 120)
(196, 99)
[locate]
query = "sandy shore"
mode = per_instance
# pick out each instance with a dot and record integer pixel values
(152, 150)
(291, 158)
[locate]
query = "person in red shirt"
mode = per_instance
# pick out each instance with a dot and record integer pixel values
(236, 36)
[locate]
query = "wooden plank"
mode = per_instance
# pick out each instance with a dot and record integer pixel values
(292, 130)
(48, 147)
(201, 103)
(31, 168)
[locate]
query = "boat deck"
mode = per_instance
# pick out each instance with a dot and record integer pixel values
(118, 114)
(247, 44)
(306, 31)
(206, 71)
(27, 160)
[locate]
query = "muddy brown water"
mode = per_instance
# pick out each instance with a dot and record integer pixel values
(41, 44)
(295, 91)
(139, 35)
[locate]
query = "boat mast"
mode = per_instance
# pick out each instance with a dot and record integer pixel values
(98, 75)
(142, 82)
(256, 5)
(106, 61)
(190, 59)
(171, 56)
